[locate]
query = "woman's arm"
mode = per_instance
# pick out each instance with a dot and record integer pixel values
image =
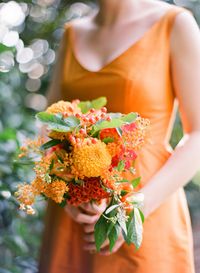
(185, 160)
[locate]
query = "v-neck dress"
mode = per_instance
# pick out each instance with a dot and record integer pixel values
(138, 80)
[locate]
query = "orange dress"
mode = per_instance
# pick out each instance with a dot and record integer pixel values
(137, 80)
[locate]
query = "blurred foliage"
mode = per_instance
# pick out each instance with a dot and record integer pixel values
(29, 35)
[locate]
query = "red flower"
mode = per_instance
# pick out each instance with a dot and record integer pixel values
(131, 154)
(90, 190)
(129, 127)
(109, 132)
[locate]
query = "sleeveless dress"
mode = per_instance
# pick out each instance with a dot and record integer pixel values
(137, 80)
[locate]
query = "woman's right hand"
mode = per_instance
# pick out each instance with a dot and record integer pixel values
(86, 213)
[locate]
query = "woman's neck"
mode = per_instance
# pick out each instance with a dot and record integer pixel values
(111, 11)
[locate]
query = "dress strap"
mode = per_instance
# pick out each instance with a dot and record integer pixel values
(69, 32)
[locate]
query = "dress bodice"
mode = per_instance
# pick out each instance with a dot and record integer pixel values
(138, 80)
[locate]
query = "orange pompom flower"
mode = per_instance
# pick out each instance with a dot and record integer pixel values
(64, 107)
(90, 160)
(56, 190)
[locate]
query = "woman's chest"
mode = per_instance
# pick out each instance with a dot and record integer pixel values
(139, 78)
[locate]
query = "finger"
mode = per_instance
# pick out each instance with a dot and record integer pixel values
(105, 244)
(89, 238)
(106, 251)
(99, 208)
(87, 208)
(90, 247)
(87, 219)
(72, 210)
(88, 228)
(93, 208)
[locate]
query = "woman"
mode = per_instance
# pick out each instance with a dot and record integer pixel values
(143, 55)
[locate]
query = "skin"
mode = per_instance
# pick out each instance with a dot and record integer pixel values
(131, 19)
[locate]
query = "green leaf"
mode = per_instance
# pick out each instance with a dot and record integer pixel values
(60, 160)
(141, 215)
(121, 165)
(129, 118)
(85, 106)
(138, 228)
(135, 182)
(114, 123)
(113, 236)
(100, 232)
(123, 192)
(55, 122)
(115, 115)
(72, 121)
(50, 144)
(112, 208)
(121, 219)
(134, 229)
(119, 131)
(51, 165)
(107, 140)
(99, 102)
(47, 178)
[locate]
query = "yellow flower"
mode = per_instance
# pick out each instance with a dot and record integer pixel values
(91, 160)
(64, 107)
(56, 190)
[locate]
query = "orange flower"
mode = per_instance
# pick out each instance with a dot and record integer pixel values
(31, 145)
(64, 107)
(25, 194)
(135, 138)
(90, 190)
(56, 190)
(90, 160)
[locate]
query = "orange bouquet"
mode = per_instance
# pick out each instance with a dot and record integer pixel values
(86, 156)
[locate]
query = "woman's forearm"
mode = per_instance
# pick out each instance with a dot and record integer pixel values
(181, 166)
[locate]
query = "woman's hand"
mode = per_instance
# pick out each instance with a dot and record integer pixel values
(77, 214)
(89, 230)
(90, 242)
(86, 213)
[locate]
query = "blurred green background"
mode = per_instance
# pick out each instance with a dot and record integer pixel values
(29, 36)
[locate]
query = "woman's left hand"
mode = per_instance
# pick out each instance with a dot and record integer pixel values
(89, 245)
(90, 242)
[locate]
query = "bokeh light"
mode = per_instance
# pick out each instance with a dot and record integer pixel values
(36, 102)
(24, 55)
(6, 61)
(11, 38)
(11, 14)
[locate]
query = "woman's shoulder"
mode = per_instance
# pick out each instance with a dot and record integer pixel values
(185, 30)
(181, 14)
(80, 23)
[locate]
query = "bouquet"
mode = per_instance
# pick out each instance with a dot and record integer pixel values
(85, 156)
